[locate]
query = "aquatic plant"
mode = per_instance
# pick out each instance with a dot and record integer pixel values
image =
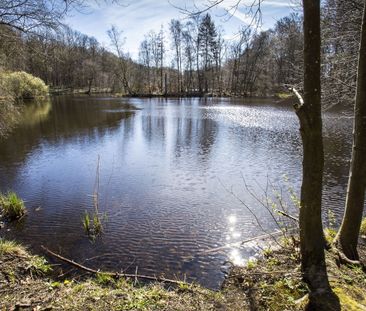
(92, 224)
(86, 222)
(12, 206)
(97, 224)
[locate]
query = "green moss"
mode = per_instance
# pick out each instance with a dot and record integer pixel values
(351, 297)
(12, 206)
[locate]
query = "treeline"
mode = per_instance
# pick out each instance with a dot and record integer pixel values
(191, 58)
(201, 61)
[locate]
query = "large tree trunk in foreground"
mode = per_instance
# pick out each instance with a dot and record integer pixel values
(309, 112)
(350, 228)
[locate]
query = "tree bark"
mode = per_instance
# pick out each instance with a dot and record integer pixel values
(350, 228)
(309, 113)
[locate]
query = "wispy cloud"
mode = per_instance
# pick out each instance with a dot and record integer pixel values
(137, 18)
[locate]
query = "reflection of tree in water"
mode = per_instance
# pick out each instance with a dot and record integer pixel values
(207, 133)
(197, 133)
(33, 113)
(154, 128)
(337, 151)
(62, 122)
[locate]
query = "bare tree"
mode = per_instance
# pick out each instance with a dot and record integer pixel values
(30, 15)
(115, 36)
(309, 113)
(176, 33)
(350, 228)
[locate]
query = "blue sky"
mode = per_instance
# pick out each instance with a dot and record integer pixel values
(137, 17)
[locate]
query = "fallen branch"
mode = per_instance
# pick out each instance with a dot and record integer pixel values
(239, 243)
(112, 274)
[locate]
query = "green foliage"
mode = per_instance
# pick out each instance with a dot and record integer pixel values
(21, 85)
(39, 265)
(104, 279)
(251, 264)
(363, 227)
(282, 293)
(12, 206)
(185, 287)
(329, 235)
(267, 252)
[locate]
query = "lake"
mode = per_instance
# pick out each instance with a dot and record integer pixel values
(171, 172)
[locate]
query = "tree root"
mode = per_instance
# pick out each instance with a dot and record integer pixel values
(342, 259)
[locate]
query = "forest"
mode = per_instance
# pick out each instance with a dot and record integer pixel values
(256, 63)
(311, 62)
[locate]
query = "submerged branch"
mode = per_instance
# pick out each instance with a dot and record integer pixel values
(240, 243)
(112, 274)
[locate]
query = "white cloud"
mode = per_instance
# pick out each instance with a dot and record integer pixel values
(138, 17)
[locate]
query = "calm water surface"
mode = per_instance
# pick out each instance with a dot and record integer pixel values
(163, 173)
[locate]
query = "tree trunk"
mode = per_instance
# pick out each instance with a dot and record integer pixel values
(350, 228)
(309, 112)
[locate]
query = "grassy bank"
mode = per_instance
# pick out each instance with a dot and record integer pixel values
(274, 282)
(25, 283)
(271, 283)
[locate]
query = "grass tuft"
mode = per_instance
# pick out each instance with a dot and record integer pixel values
(12, 206)
(11, 248)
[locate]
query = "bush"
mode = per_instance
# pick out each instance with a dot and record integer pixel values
(21, 85)
(12, 206)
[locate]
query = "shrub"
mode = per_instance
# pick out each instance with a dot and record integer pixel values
(12, 206)
(21, 85)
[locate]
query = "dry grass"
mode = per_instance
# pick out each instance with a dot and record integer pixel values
(271, 283)
(22, 287)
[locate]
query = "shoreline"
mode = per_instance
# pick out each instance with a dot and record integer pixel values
(273, 282)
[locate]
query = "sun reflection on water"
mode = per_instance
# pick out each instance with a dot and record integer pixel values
(233, 235)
